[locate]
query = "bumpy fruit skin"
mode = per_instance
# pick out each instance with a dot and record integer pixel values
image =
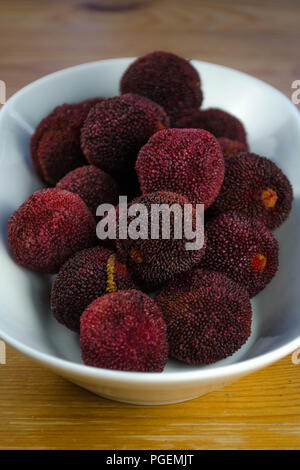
(208, 316)
(117, 128)
(124, 330)
(48, 228)
(185, 161)
(58, 153)
(256, 187)
(69, 119)
(87, 275)
(218, 122)
(231, 148)
(154, 261)
(243, 249)
(93, 185)
(167, 79)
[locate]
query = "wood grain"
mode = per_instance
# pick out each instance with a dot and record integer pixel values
(39, 410)
(261, 37)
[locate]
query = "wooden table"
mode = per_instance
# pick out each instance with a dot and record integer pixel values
(39, 410)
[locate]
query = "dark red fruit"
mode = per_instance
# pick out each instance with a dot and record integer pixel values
(167, 79)
(117, 128)
(185, 161)
(218, 122)
(154, 261)
(255, 186)
(208, 316)
(48, 228)
(87, 275)
(243, 249)
(69, 119)
(231, 148)
(124, 330)
(93, 185)
(58, 153)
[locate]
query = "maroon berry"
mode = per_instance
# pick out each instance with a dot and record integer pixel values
(185, 161)
(93, 185)
(243, 249)
(48, 228)
(208, 316)
(218, 122)
(124, 330)
(69, 119)
(256, 187)
(87, 275)
(117, 128)
(167, 79)
(153, 261)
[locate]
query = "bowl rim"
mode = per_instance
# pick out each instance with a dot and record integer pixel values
(240, 368)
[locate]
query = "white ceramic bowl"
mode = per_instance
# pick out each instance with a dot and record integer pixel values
(273, 126)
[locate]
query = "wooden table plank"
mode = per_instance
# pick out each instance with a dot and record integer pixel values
(40, 410)
(43, 411)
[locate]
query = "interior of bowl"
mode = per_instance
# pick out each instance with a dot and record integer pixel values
(273, 126)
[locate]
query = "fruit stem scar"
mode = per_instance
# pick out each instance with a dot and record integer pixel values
(110, 268)
(136, 256)
(259, 262)
(269, 198)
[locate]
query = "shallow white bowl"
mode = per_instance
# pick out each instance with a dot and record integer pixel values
(273, 126)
